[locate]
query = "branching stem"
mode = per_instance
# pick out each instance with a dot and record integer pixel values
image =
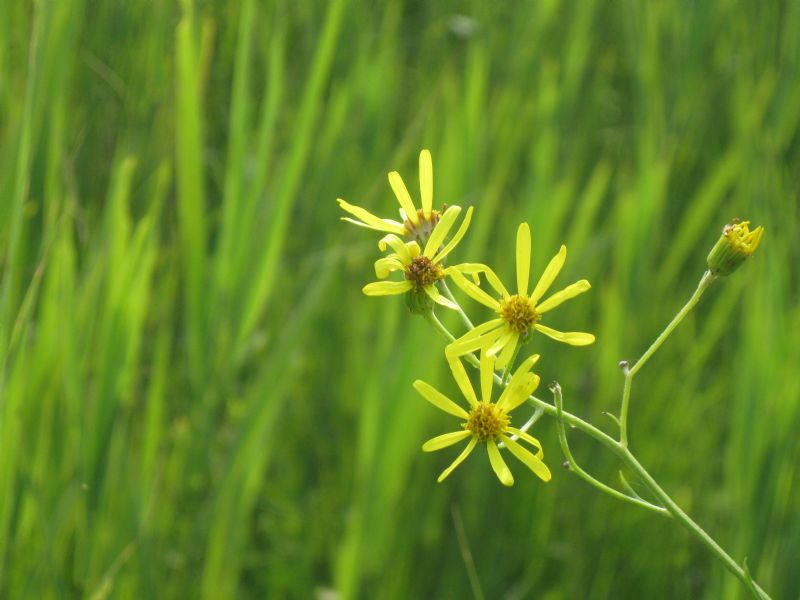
(707, 279)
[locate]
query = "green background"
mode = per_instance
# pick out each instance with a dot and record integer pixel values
(198, 401)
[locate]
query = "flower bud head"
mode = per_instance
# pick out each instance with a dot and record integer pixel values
(734, 247)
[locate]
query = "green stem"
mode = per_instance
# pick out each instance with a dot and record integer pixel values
(707, 279)
(507, 371)
(461, 313)
(573, 465)
(629, 459)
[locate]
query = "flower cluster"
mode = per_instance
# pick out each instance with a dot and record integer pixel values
(420, 245)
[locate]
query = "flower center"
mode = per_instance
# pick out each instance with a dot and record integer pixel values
(422, 231)
(740, 237)
(486, 421)
(518, 312)
(423, 271)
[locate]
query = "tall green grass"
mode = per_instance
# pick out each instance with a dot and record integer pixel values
(197, 401)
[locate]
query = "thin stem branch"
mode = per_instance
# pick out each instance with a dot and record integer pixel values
(573, 465)
(461, 313)
(707, 279)
(509, 367)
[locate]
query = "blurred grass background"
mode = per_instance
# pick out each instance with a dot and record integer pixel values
(197, 401)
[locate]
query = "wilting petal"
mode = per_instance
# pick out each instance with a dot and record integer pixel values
(426, 182)
(387, 288)
(441, 230)
(498, 464)
(568, 292)
(402, 248)
(550, 273)
(445, 440)
(459, 459)
(439, 400)
(384, 266)
(523, 258)
(573, 338)
(530, 461)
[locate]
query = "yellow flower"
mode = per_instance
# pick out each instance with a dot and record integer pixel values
(518, 314)
(422, 269)
(486, 422)
(415, 224)
(735, 246)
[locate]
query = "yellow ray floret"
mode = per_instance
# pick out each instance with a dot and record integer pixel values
(488, 422)
(518, 315)
(416, 224)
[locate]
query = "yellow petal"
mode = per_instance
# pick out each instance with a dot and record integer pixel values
(389, 225)
(387, 288)
(498, 464)
(562, 296)
(528, 438)
(520, 384)
(462, 379)
(434, 295)
(441, 230)
(573, 338)
(387, 264)
(426, 182)
(459, 459)
(474, 291)
(523, 258)
(439, 400)
(367, 219)
(534, 464)
(504, 356)
(518, 391)
(549, 275)
(456, 238)
(445, 440)
(462, 346)
(487, 375)
(403, 249)
(403, 197)
(507, 338)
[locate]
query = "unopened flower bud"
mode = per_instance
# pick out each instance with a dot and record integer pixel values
(734, 247)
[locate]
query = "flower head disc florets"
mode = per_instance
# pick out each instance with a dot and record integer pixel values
(424, 226)
(423, 271)
(519, 313)
(487, 421)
